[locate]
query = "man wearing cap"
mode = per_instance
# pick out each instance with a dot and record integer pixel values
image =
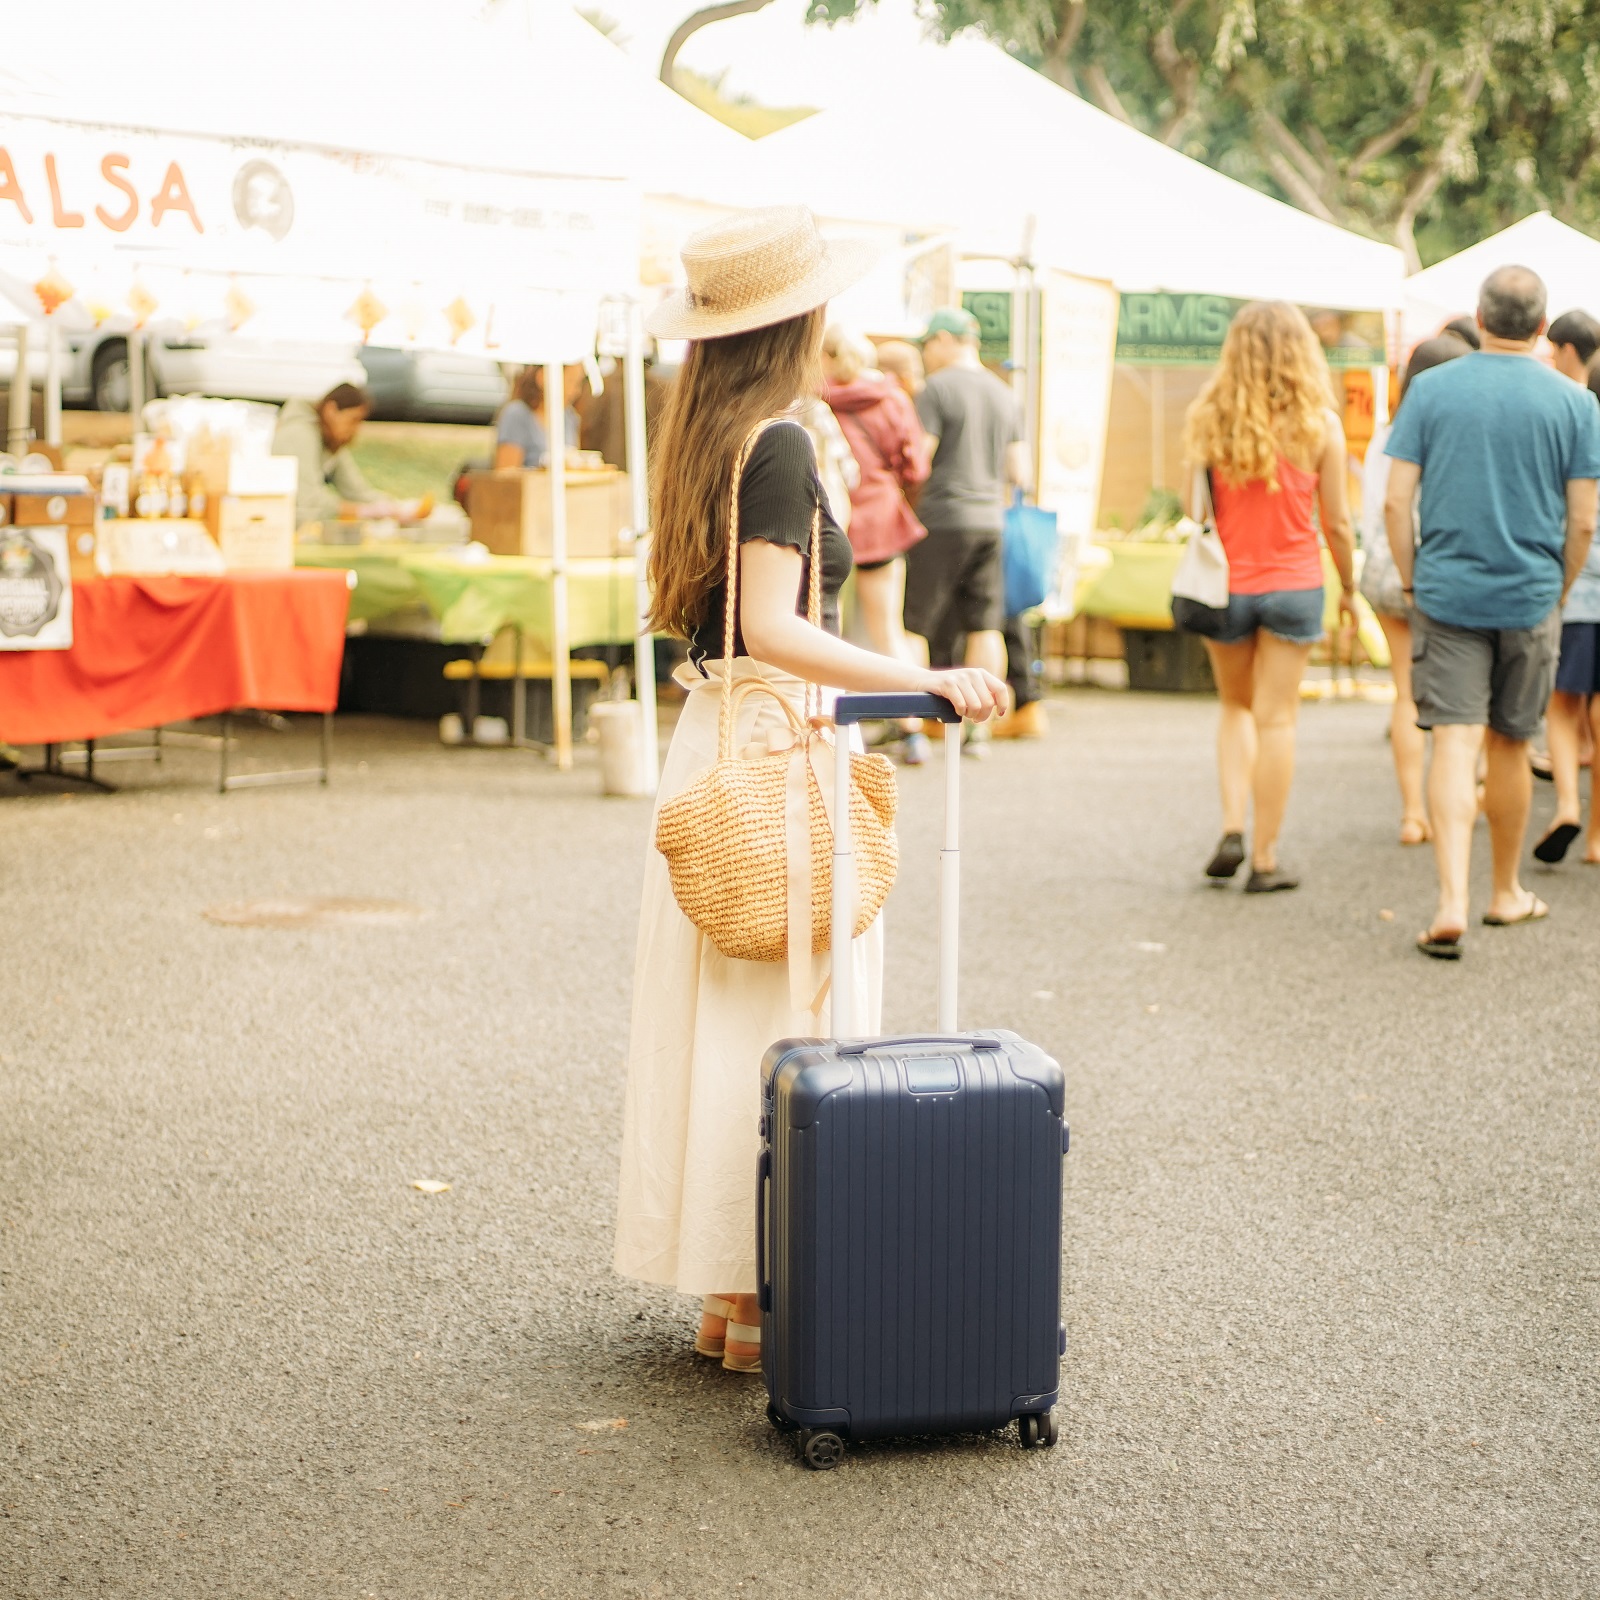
(955, 580)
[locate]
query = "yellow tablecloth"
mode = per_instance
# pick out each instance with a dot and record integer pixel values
(473, 600)
(1135, 591)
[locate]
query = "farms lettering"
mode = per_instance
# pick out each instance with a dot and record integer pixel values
(116, 207)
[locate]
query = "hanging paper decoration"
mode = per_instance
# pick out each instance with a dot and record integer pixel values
(366, 311)
(97, 309)
(411, 317)
(239, 306)
(459, 315)
(141, 303)
(53, 290)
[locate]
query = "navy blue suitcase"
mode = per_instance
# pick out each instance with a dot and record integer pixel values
(909, 1205)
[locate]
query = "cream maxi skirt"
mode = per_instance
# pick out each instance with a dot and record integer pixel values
(701, 1023)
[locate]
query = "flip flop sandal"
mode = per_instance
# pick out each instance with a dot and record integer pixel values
(1442, 947)
(704, 1343)
(1537, 912)
(1555, 844)
(740, 1333)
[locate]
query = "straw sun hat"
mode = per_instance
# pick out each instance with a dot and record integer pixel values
(755, 269)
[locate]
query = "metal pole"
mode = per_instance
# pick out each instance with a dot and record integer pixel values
(844, 891)
(21, 398)
(950, 881)
(555, 422)
(644, 644)
(135, 343)
(1158, 428)
(52, 382)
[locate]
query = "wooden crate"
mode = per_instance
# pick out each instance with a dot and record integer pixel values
(511, 511)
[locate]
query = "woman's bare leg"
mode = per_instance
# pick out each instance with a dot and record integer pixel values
(1275, 707)
(1408, 743)
(1563, 725)
(1591, 852)
(881, 594)
(1233, 666)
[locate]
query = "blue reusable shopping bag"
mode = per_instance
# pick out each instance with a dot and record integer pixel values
(1032, 545)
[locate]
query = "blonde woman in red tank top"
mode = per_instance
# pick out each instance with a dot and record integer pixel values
(1265, 428)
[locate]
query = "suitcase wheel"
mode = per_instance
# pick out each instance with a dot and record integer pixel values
(1036, 1430)
(778, 1420)
(820, 1448)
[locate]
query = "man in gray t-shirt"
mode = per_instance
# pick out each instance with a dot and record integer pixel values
(955, 580)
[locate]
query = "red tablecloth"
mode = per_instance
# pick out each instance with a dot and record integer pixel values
(148, 651)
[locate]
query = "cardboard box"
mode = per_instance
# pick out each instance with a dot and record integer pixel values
(225, 468)
(83, 551)
(254, 532)
(511, 512)
(52, 510)
(156, 545)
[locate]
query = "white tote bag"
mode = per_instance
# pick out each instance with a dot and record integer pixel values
(1202, 574)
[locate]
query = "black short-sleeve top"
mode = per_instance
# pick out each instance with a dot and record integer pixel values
(778, 495)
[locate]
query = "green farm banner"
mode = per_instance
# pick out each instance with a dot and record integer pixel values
(1187, 330)
(992, 308)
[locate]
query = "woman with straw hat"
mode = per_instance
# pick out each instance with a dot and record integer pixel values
(753, 311)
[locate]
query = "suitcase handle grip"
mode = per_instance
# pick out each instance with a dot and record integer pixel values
(850, 708)
(859, 1047)
(763, 1288)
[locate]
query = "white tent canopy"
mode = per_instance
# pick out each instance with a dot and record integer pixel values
(1568, 261)
(966, 138)
(326, 173)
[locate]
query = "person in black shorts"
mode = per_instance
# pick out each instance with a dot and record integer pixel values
(955, 582)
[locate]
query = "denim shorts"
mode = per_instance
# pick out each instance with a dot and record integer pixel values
(1291, 614)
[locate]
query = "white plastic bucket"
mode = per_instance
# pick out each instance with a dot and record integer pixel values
(621, 735)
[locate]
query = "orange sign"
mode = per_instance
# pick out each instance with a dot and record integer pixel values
(74, 196)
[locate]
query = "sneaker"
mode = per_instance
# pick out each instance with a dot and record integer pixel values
(917, 750)
(975, 741)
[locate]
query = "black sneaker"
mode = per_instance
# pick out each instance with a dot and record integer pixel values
(1270, 882)
(1229, 857)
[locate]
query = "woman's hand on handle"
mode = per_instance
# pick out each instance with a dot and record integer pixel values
(976, 694)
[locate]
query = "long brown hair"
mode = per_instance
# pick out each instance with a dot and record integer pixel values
(725, 388)
(529, 387)
(1270, 393)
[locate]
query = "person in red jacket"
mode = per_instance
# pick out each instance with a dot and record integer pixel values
(885, 435)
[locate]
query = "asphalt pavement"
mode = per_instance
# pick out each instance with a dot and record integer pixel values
(1331, 1280)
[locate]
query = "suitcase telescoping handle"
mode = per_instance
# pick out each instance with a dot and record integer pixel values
(850, 709)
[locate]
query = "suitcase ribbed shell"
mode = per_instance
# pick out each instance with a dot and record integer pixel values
(912, 1210)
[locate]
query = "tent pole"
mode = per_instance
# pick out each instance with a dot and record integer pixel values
(644, 645)
(21, 398)
(135, 343)
(1158, 428)
(52, 382)
(555, 423)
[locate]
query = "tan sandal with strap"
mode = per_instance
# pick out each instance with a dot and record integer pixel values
(707, 1343)
(742, 1334)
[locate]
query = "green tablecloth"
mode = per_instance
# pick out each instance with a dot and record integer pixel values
(383, 586)
(473, 600)
(1135, 591)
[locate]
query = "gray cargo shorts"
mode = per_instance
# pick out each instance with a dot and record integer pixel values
(1499, 678)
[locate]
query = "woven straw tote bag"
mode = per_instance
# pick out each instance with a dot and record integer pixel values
(749, 843)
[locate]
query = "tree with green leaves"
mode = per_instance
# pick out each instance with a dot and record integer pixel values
(1427, 123)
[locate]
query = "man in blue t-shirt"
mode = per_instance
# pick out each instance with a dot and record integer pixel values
(1506, 454)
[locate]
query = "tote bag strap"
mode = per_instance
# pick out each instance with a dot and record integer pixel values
(813, 701)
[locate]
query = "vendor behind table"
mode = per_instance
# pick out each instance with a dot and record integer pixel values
(318, 434)
(520, 436)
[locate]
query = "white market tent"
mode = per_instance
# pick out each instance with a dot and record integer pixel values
(1568, 261)
(968, 139)
(326, 172)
